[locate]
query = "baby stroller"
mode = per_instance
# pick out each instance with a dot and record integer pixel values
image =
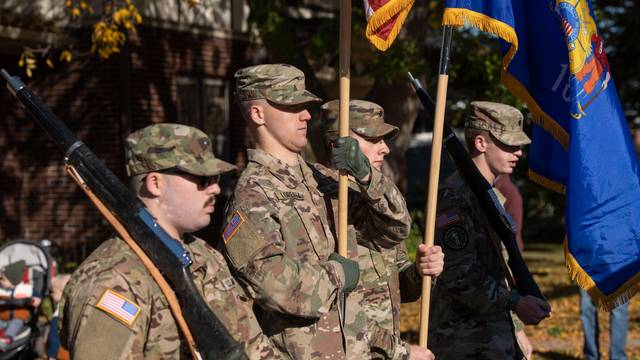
(28, 266)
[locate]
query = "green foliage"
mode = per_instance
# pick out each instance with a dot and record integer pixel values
(415, 236)
(398, 60)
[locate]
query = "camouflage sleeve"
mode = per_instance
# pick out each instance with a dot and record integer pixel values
(89, 332)
(402, 351)
(388, 346)
(380, 213)
(410, 280)
(232, 305)
(462, 235)
(275, 280)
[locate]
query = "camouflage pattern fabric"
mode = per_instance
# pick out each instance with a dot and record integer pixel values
(389, 279)
(504, 122)
(365, 119)
(278, 240)
(279, 83)
(470, 317)
(92, 333)
(387, 275)
(165, 146)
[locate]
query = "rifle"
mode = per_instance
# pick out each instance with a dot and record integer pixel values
(501, 222)
(205, 333)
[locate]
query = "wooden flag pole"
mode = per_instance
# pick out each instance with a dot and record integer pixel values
(345, 64)
(434, 173)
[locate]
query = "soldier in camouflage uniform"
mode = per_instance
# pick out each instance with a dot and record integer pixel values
(174, 173)
(388, 276)
(473, 297)
(277, 235)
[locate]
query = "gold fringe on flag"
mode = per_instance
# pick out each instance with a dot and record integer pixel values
(383, 15)
(604, 302)
(460, 17)
(537, 114)
(546, 182)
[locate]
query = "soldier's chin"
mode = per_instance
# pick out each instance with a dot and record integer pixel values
(298, 145)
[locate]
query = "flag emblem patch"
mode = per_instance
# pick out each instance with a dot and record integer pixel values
(447, 218)
(232, 227)
(119, 307)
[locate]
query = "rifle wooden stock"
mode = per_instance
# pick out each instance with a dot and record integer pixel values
(500, 221)
(126, 213)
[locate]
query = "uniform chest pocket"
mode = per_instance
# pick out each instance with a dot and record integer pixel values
(297, 237)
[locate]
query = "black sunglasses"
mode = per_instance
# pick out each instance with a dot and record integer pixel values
(203, 181)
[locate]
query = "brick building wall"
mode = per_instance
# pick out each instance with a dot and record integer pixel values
(38, 200)
(102, 101)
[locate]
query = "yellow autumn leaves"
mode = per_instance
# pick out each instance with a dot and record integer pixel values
(76, 8)
(29, 59)
(108, 34)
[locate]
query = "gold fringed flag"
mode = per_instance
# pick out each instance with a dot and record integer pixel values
(554, 60)
(384, 20)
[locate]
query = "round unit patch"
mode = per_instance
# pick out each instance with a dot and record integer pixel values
(455, 238)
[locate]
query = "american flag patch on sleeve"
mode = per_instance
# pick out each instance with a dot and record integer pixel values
(446, 218)
(232, 227)
(119, 306)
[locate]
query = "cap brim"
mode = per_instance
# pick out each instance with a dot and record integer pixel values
(383, 130)
(513, 139)
(296, 98)
(208, 168)
(388, 131)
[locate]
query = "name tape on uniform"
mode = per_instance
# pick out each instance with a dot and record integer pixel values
(119, 307)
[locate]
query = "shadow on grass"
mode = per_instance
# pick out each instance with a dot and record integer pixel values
(553, 355)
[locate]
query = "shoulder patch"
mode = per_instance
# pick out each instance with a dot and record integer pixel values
(119, 307)
(447, 217)
(247, 241)
(232, 227)
(455, 238)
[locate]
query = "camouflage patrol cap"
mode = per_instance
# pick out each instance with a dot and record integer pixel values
(165, 146)
(504, 122)
(279, 83)
(365, 119)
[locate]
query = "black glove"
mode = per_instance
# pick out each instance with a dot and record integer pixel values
(351, 271)
(346, 155)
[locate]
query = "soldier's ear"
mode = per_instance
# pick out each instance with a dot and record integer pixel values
(480, 142)
(256, 113)
(153, 183)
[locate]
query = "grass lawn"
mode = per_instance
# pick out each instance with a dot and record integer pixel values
(559, 337)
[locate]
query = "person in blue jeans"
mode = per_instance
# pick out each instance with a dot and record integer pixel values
(617, 330)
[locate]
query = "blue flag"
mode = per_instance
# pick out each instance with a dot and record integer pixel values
(554, 60)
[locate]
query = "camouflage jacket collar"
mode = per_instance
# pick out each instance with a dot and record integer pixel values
(283, 171)
(197, 250)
